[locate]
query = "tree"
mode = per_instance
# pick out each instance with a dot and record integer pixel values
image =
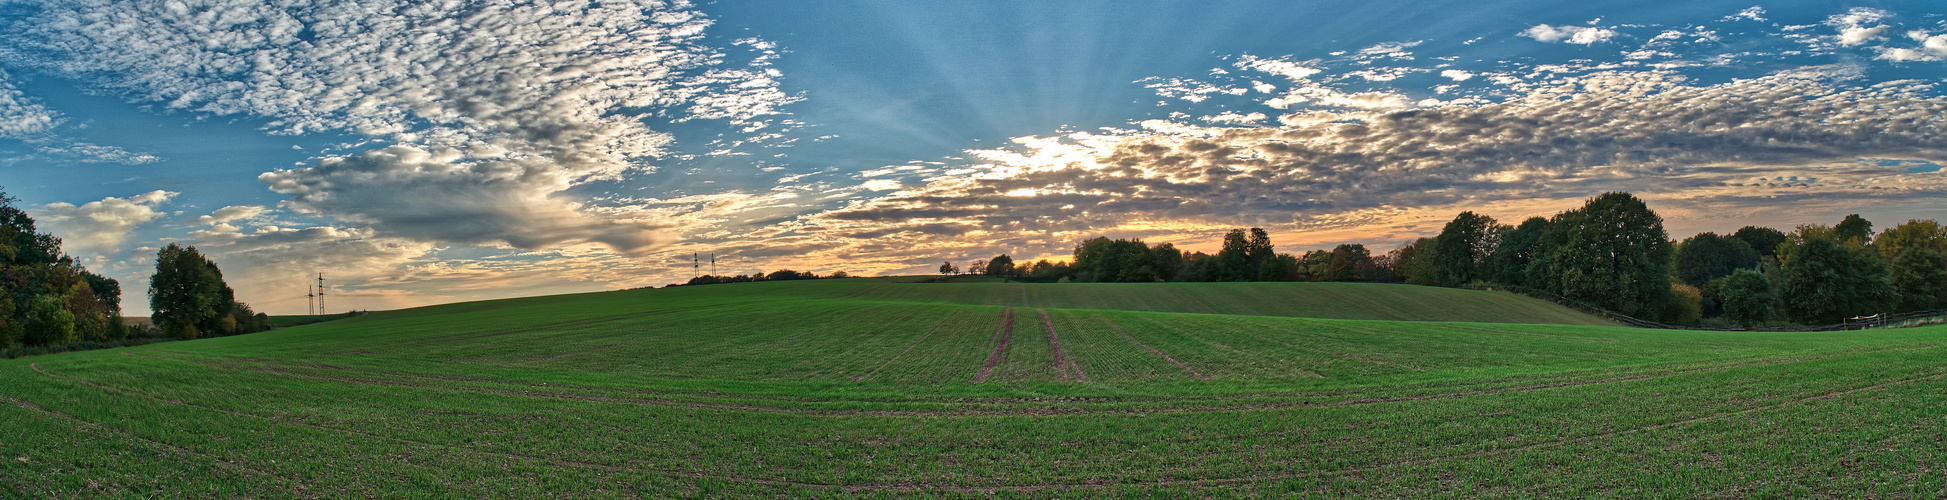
(1855, 230)
(1508, 265)
(1747, 298)
(1349, 262)
(187, 294)
(1612, 253)
(1919, 276)
(1685, 305)
(1404, 258)
(1912, 234)
(1826, 282)
(45, 297)
(1707, 256)
(947, 268)
(1000, 265)
(48, 323)
(977, 267)
(1244, 253)
(1464, 245)
(1762, 239)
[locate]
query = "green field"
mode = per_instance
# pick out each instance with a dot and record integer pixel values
(873, 387)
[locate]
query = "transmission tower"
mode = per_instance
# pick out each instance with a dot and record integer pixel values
(311, 298)
(713, 264)
(321, 293)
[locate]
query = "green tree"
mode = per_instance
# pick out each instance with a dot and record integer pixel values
(1685, 305)
(1349, 262)
(1855, 230)
(1747, 298)
(1919, 275)
(1762, 239)
(49, 323)
(1707, 256)
(1167, 260)
(1508, 265)
(1826, 282)
(1464, 245)
(187, 294)
(1912, 234)
(1612, 253)
(947, 268)
(1000, 265)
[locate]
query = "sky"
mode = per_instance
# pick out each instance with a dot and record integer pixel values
(420, 152)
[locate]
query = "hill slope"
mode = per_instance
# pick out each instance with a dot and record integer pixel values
(862, 387)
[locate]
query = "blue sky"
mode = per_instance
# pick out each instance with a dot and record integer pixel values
(421, 152)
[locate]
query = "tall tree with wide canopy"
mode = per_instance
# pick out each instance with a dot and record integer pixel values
(187, 294)
(1827, 282)
(1612, 253)
(1461, 251)
(1707, 256)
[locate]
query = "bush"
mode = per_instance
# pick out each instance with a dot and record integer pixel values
(1747, 298)
(1685, 306)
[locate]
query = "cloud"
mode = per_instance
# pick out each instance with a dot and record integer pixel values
(1579, 35)
(1753, 13)
(1457, 75)
(1932, 48)
(1644, 131)
(494, 109)
(1233, 117)
(1853, 29)
(20, 116)
(101, 228)
(428, 195)
(94, 153)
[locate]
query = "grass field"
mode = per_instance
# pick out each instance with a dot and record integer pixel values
(871, 387)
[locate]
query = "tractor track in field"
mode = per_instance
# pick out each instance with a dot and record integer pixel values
(1063, 365)
(165, 447)
(1166, 357)
(909, 348)
(1003, 331)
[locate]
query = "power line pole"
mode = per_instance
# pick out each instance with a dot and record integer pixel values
(311, 298)
(696, 264)
(713, 264)
(321, 292)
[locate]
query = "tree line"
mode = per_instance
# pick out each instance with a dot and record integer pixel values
(778, 275)
(1612, 253)
(50, 302)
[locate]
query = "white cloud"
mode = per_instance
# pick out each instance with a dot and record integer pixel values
(495, 108)
(1579, 35)
(94, 153)
(1457, 74)
(100, 228)
(881, 185)
(1754, 13)
(20, 116)
(1233, 117)
(1932, 48)
(1282, 66)
(1853, 29)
